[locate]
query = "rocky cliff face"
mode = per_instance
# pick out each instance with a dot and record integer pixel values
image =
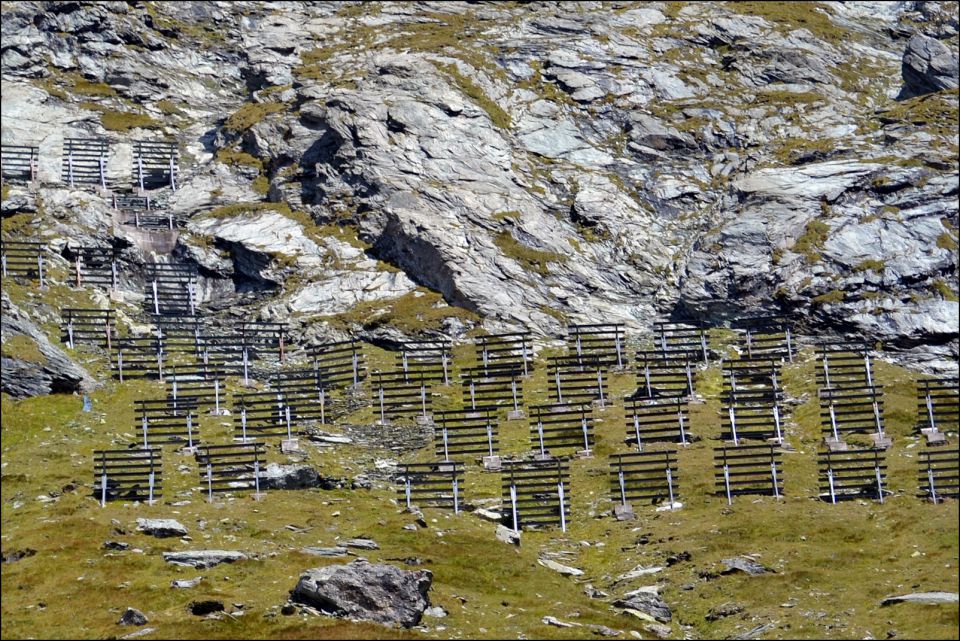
(535, 164)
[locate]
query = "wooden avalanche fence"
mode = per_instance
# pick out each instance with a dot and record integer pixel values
(431, 484)
(230, 468)
(648, 477)
(536, 494)
(127, 475)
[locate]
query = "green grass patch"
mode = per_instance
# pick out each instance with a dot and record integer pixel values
(22, 347)
(594, 233)
(937, 112)
(316, 63)
(343, 233)
(51, 87)
(941, 287)
(870, 264)
(782, 98)
(126, 120)
(831, 297)
(168, 107)
(239, 159)
(88, 88)
(554, 313)
(122, 121)
(206, 31)
(419, 311)
(275, 89)
(237, 209)
(792, 151)
(532, 259)
(890, 212)
(947, 241)
(546, 89)
(820, 552)
(501, 216)
(788, 16)
(498, 116)
(811, 241)
(261, 185)
(250, 114)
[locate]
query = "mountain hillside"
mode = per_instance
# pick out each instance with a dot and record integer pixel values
(352, 176)
(534, 164)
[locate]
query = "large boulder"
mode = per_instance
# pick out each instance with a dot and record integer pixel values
(161, 528)
(647, 606)
(132, 616)
(290, 477)
(367, 592)
(928, 66)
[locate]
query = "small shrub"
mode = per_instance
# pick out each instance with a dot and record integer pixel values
(261, 185)
(811, 241)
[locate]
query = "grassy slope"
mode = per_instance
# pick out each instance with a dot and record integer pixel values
(834, 563)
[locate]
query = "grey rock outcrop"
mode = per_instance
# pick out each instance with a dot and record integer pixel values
(333, 552)
(161, 528)
(667, 167)
(360, 544)
(203, 558)
(507, 535)
(927, 598)
(32, 365)
(847, 269)
(367, 592)
(743, 564)
(186, 584)
(289, 477)
(649, 605)
(16, 555)
(560, 568)
(723, 610)
(205, 607)
(132, 616)
(928, 65)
